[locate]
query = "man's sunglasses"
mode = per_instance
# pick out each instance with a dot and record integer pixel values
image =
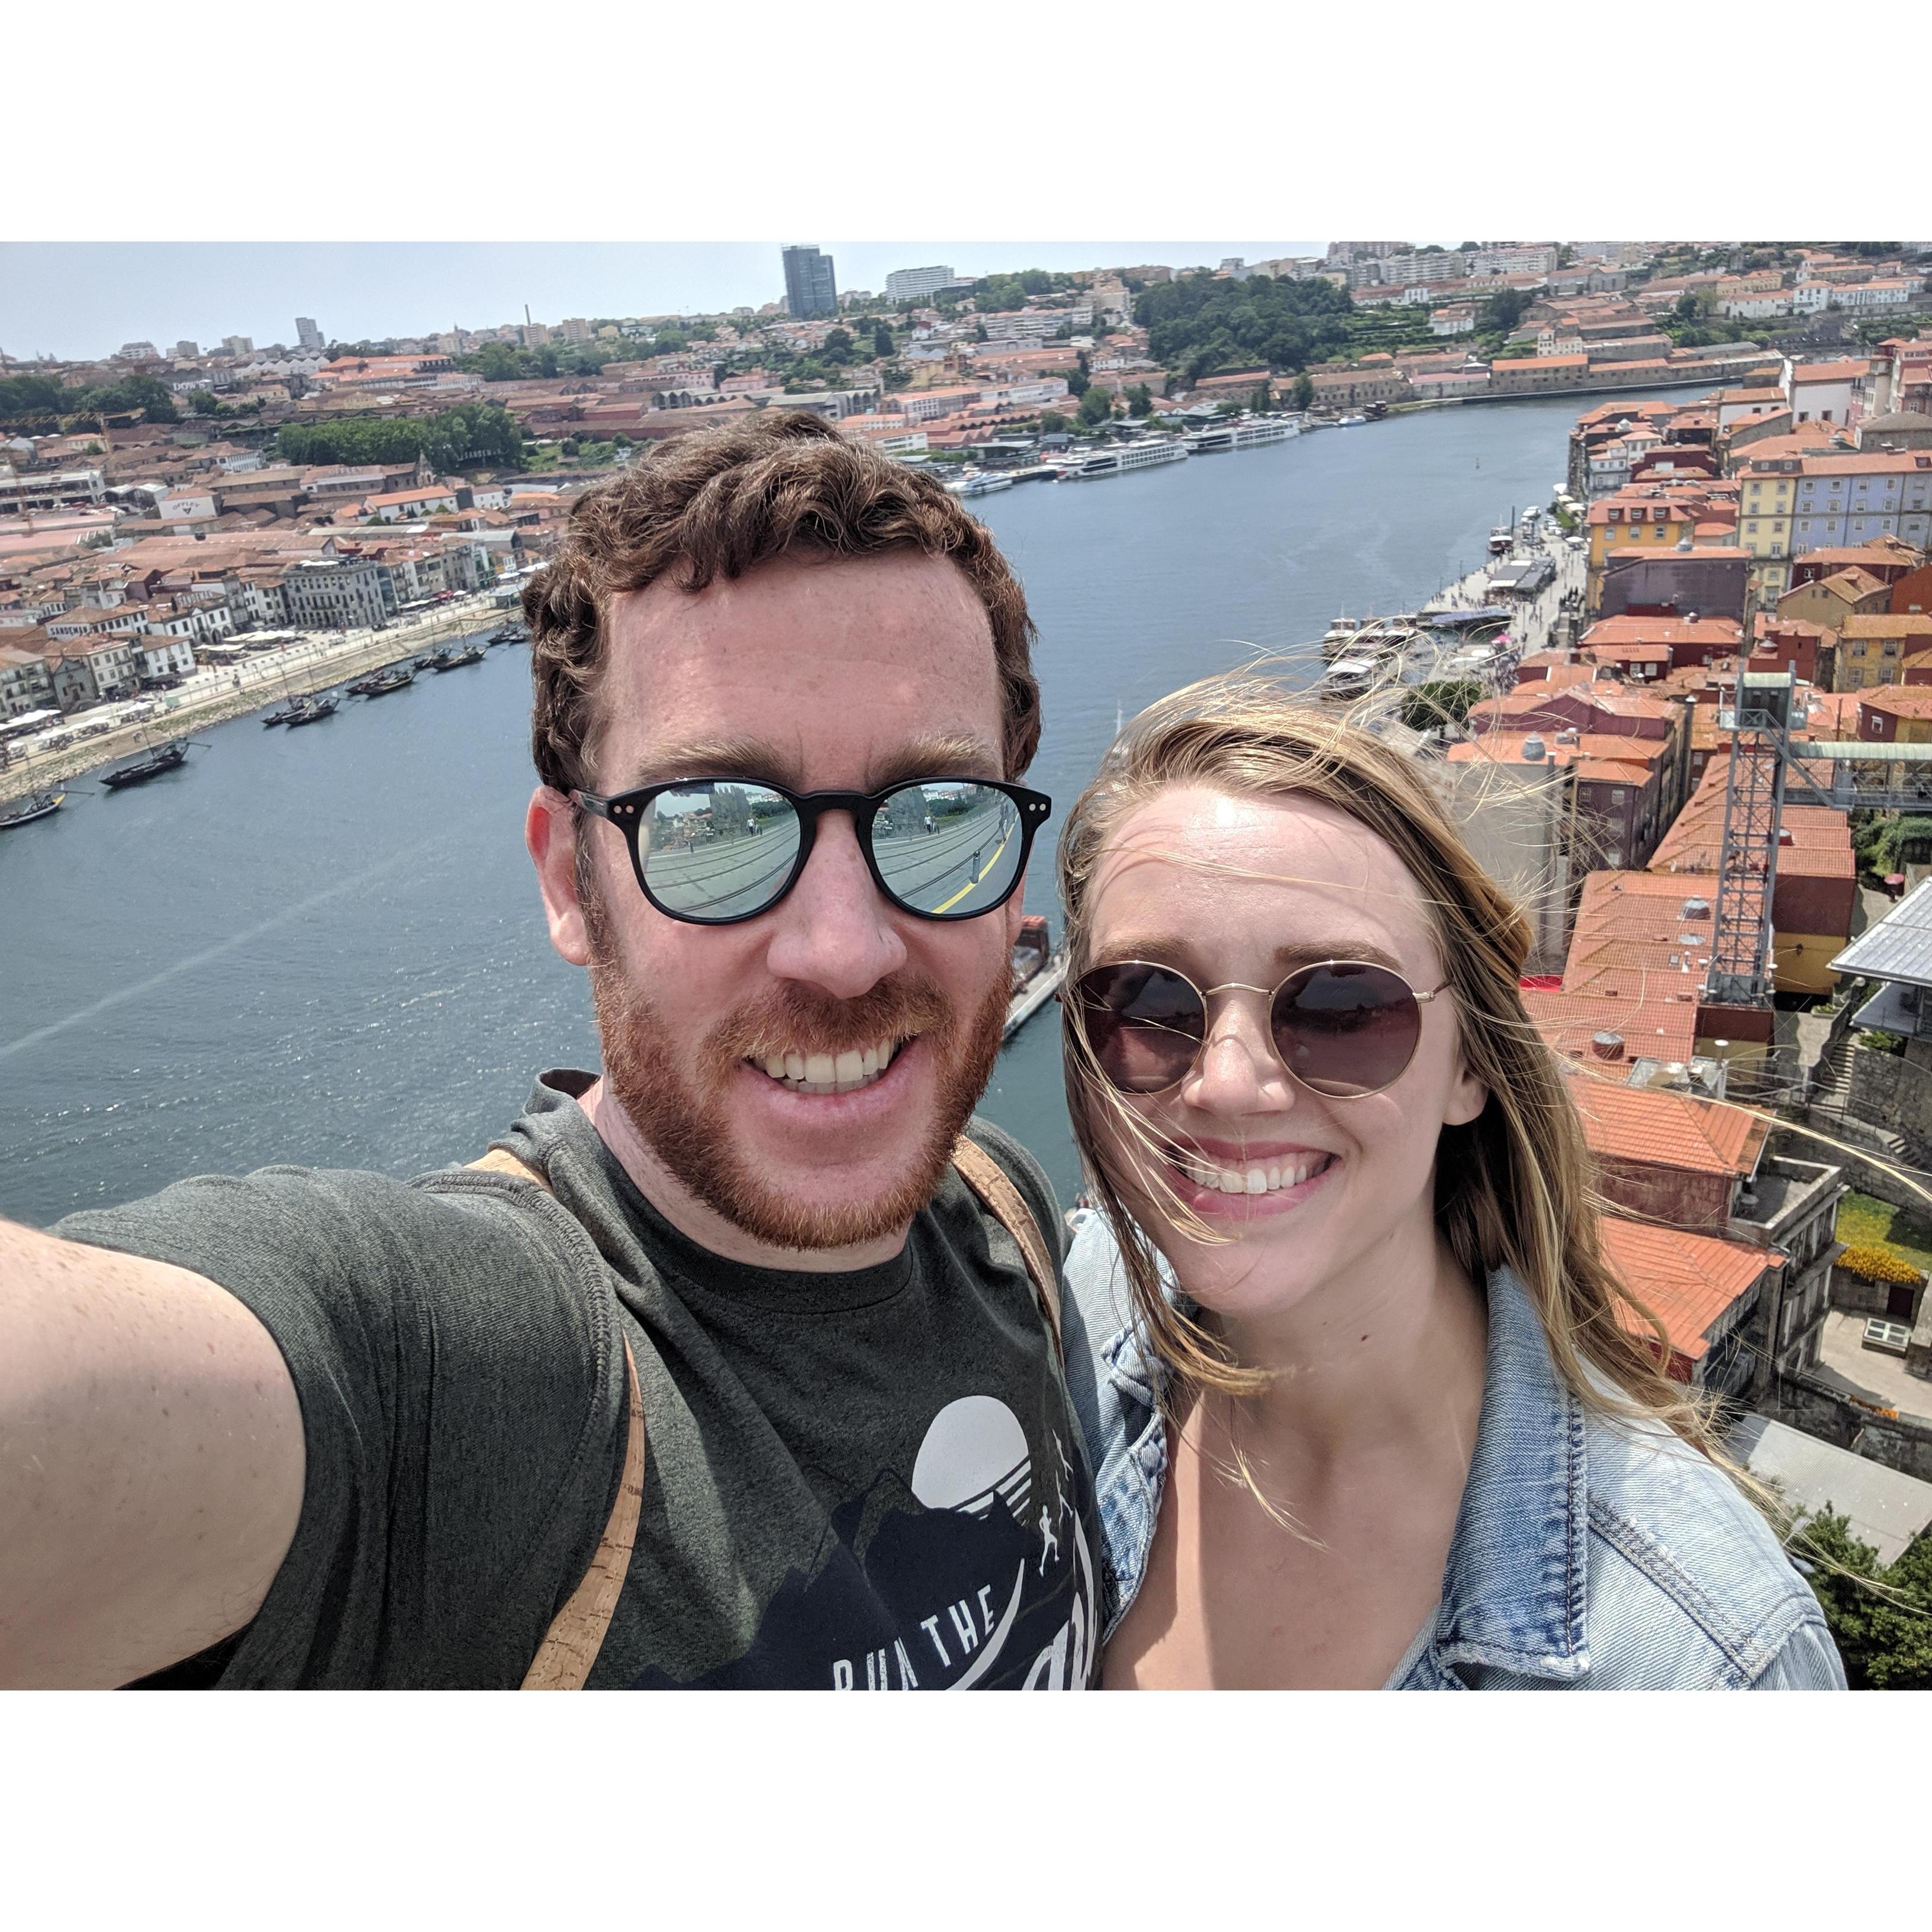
(716, 850)
(1343, 1029)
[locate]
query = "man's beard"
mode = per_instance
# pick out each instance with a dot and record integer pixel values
(686, 1125)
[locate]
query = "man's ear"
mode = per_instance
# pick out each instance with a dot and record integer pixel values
(550, 832)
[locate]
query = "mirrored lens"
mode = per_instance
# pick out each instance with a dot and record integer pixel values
(1144, 1023)
(947, 847)
(716, 849)
(1346, 1030)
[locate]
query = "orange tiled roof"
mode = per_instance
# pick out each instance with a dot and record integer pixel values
(1687, 1281)
(1653, 1029)
(1895, 700)
(1662, 1129)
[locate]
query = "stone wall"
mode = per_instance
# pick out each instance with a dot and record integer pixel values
(1900, 1442)
(1860, 1297)
(1890, 1090)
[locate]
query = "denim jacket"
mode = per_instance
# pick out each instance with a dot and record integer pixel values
(1589, 1554)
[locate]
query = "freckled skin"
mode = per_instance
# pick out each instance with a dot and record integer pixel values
(837, 665)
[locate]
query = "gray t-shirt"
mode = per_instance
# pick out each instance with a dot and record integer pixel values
(870, 1479)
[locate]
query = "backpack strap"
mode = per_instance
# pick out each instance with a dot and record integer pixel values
(1008, 1206)
(577, 1632)
(570, 1646)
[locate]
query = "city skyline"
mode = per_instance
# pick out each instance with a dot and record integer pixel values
(82, 300)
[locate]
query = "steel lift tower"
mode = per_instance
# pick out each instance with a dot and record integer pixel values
(1741, 944)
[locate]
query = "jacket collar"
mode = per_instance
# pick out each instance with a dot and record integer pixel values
(1515, 1588)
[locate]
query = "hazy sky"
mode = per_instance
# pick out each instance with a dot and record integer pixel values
(86, 298)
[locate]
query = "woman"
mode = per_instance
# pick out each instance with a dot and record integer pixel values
(1366, 1406)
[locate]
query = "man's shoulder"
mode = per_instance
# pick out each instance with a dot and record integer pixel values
(343, 1216)
(1024, 1170)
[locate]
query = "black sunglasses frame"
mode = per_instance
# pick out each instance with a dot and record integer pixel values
(626, 810)
(1073, 1000)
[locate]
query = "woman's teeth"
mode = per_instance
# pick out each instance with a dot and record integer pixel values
(830, 1072)
(1254, 1179)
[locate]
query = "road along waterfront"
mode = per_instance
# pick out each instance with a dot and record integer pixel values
(212, 697)
(326, 946)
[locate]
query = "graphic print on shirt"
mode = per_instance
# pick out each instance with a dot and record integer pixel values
(975, 1574)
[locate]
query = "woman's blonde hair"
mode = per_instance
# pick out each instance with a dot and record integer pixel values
(1514, 1187)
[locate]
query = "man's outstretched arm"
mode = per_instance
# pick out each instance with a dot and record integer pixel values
(151, 1462)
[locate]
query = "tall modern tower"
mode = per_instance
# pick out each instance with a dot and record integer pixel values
(810, 288)
(306, 334)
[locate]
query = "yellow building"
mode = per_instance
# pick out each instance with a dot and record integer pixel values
(1640, 518)
(1764, 524)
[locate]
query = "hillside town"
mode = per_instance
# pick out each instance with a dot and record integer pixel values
(1723, 757)
(1708, 775)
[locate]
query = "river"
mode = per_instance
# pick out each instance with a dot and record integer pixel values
(325, 945)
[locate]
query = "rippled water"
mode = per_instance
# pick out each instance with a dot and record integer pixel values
(325, 945)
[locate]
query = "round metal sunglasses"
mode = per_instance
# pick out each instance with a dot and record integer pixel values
(1343, 1028)
(712, 851)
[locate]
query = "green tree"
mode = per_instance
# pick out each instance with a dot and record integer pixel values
(1880, 1617)
(470, 433)
(1302, 396)
(1262, 400)
(837, 349)
(1140, 400)
(882, 339)
(1096, 406)
(1200, 322)
(1052, 423)
(1440, 701)
(1503, 310)
(1077, 380)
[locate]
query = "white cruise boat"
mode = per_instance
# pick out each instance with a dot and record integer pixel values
(1122, 457)
(980, 483)
(1242, 432)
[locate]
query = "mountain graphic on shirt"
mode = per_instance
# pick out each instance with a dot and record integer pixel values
(938, 1582)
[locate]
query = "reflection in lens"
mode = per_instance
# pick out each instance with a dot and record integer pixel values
(948, 847)
(1144, 1023)
(715, 849)
(1346, 1030)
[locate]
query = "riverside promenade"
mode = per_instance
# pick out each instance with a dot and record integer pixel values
(212, 697)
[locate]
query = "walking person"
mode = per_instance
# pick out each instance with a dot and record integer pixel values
(733, 1364)
(1366, 1404)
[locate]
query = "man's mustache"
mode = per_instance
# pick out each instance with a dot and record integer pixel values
(797, 1019)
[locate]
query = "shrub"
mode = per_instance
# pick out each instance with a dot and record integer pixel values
(1870, 1263)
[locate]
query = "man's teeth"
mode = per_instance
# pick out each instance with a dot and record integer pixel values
(830, 1073)
(1267, 1180)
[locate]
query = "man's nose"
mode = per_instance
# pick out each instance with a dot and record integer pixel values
(834, 929)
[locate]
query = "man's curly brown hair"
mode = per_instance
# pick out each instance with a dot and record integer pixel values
(718, 502)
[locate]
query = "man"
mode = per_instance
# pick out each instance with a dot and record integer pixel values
(716, 1371)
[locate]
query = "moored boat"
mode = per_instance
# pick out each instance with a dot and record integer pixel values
(35, 805)
(150, 765)
(393, 678)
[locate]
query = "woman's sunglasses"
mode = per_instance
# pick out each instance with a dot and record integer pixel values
(712, 851)
(1343, 1029)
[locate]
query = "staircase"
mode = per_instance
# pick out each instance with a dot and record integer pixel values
(1829, 1105)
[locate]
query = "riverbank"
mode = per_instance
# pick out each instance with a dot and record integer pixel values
(213, 697)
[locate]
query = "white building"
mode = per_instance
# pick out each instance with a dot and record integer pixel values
(1833, 392)
(1515, 259)
(912, 284)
